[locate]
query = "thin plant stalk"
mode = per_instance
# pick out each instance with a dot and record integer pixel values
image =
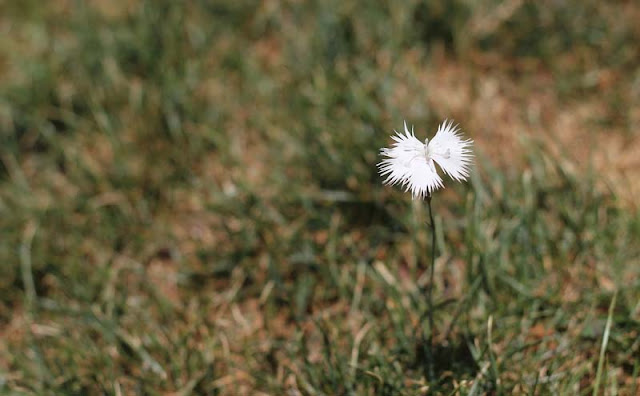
(430, 291)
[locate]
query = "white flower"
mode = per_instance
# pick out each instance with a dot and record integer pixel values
(411, 163)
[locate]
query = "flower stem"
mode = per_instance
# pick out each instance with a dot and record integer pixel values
(430, 292)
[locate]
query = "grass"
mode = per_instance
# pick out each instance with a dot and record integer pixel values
(189, 202)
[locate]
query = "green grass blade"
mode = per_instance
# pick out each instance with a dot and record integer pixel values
(603, 348)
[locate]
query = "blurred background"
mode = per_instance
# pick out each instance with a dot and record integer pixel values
(189, 202)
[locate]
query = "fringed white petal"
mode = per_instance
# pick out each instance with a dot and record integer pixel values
(451, 152)
(407, 165)
(423, 179)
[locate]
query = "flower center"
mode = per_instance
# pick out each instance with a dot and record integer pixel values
(431, 150)
(427, 153)
(427, 149)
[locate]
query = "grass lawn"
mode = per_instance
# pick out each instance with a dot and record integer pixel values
(190, 204)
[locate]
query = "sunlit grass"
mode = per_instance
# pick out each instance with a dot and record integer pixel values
(189, 200)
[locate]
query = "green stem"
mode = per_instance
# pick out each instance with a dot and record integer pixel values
(430, 292)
